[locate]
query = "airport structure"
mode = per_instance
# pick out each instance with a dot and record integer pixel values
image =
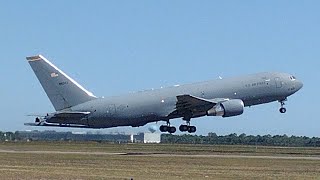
(147, 137)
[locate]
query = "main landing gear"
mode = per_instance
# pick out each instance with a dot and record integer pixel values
(282, 109)
(190, 129)
(168, 128)
(182, 128)
(187, 127)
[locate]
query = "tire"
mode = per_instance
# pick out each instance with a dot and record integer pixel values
(172, 129)
(183, 128)
(192, 129)
(163, 128)
(283, 110)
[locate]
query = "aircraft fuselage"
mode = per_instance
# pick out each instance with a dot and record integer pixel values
(140, 108)
(77, 107)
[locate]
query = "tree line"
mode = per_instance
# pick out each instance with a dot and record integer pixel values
(243, 139)
(211, 138)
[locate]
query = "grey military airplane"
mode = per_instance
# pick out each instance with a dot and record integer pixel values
(77, 107)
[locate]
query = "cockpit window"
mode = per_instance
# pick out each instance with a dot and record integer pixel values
(292, 78)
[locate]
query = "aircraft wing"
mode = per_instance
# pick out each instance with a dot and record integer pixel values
(191, 106)
(189, 102)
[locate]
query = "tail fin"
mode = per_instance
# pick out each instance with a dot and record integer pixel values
(62, 91)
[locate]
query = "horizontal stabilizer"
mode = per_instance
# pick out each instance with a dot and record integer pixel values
(56, 125)
(71, 114)
(32, 124)
(61, 119)
(37, 115)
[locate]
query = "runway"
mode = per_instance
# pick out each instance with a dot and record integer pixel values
(77, 160)
(284, 157)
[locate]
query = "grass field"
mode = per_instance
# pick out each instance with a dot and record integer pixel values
(64, 160)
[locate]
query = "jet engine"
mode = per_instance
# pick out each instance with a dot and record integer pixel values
(37, 120)
(233, 107)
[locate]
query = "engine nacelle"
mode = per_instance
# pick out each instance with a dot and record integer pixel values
(37, 120)
(233, 107)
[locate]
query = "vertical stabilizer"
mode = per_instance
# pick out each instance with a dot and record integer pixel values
(63, 91)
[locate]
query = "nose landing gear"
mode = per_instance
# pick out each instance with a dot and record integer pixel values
(282, 109)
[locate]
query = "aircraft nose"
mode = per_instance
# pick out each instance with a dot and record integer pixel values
(299, 84)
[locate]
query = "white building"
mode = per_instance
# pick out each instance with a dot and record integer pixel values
(152, 138)
(147, 137)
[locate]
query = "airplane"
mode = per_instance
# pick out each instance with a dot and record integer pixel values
(77, 107)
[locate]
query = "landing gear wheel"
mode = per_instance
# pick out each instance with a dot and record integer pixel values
(192, 129)
(168, 128)
(163, 128)
(172, 129)
(187, 127)
(283, 110)
(183, 128)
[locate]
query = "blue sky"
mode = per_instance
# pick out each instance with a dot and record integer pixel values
(116, 47)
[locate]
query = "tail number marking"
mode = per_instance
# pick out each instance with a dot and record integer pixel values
(63, 83)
